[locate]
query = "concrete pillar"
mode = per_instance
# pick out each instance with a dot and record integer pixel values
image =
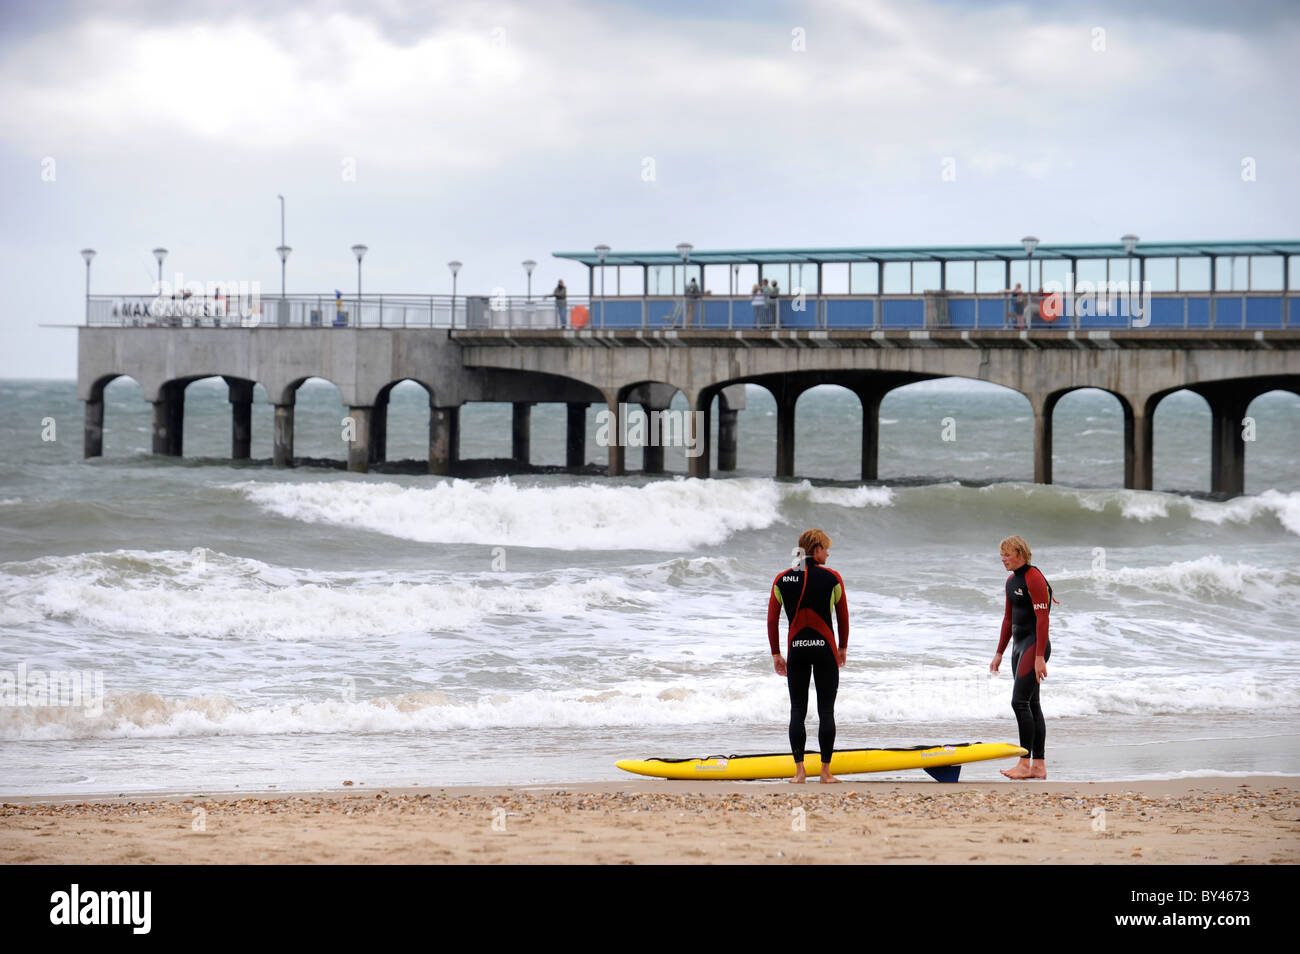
(379, 432)
(521, 414)
(169, 422)
(617, 452)
(241, 419)
(870, 432)
(652, 455)
(575, 436)
(785, 434)
(94, 429)
(1138, 443)
(1227, 448)
(1043, 442)
(282, 442)
(444, 439)
(699, 435)
(728, 428)
(359, 445)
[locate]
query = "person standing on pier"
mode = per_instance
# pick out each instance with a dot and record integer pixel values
(759, 302)
(561, 296)
(692, 301)
(773, 303)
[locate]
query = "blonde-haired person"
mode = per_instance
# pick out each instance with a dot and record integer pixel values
(810, 592)
(1024, 624)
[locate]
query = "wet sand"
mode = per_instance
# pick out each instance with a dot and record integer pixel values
(1208, 821)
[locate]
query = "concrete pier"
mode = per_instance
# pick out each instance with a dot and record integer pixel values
(647, 368)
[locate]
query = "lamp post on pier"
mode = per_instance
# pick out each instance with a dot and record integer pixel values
(529, 265)
(684, 249)
(602, 252)
(160, 254)
(88, 254)
(359, 251)
(455, 270)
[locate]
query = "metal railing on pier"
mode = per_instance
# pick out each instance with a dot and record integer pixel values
(1161, 311)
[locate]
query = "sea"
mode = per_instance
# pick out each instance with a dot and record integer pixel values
(196, 624)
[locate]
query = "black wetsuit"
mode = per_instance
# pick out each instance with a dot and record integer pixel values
(810, 597)
(1024, 624)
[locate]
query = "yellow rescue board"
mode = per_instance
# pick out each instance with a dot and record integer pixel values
(843, 762)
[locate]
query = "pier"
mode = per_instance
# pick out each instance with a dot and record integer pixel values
(1073, 330)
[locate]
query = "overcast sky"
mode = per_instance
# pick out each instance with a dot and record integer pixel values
(494, 132)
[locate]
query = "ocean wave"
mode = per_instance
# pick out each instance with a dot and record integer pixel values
(208, 594)
(1208, 576)
(918, 695)
(672, 515)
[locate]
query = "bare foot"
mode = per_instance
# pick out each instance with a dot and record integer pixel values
(1020, 770)
(1039, 769)
(829, 779)
(800, 776)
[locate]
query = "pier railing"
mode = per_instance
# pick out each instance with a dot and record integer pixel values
(929, 310)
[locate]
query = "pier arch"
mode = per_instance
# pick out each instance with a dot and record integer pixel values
(124, 393)
(1092, 421)
(927, 428)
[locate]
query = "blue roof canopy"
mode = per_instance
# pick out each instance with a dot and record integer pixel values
(938, 253)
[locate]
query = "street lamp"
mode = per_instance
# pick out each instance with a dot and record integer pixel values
(684, 250)
(455, 270)
(282, 250)
(160, 254)
(529, 265)
(88, 254)
(359, 251)
(602, 252)
(1130, 245)
(1030, 243)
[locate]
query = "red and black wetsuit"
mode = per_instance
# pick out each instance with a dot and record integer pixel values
(810, 596)
(1025, 622)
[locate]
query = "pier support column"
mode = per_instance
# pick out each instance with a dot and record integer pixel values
(1043, 441)
(617, 452)
(699, 434)
(94, 429)
(520, 420)
(1227, 446)
(282, 442)
(575, 436)
(359, 444)
(652, 454)
(444, 439)
(728, 429)
(379, 431)
(241, 419)
(785, 434)
(870, 432)
(169, 421)
(1138, 444)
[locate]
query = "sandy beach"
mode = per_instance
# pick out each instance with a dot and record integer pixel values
(1208, 821)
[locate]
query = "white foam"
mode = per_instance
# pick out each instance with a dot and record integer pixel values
(671, 515)
(1206, 576)
(173, 593)
(905, 696)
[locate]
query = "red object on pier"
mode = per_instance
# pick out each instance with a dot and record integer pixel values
(579, 318)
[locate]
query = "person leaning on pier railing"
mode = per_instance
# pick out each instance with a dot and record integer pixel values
(561, 296)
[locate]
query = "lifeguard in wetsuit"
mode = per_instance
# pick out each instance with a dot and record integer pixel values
(1024, 625)
(810, 594)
